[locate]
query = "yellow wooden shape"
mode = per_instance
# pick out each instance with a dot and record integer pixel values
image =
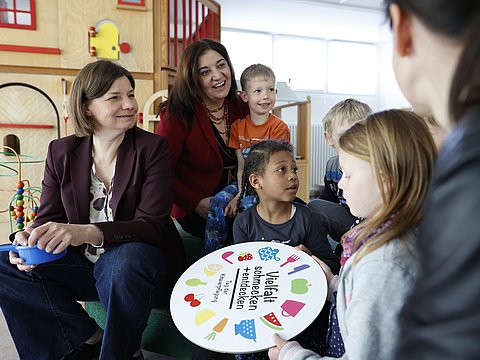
(106, 40)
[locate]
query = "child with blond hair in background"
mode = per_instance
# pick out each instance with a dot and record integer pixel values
(331, 205)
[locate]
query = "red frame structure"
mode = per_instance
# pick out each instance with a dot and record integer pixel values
(15, 11)
(206, 25)
(131, 3)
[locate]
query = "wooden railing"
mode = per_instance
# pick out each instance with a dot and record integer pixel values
(181, 22)
(190, 20)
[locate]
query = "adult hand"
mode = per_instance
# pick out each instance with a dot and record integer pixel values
(56, 237)
(274, 352)
(326, 269)
(203, 207)
(21, 238)
(231, 210)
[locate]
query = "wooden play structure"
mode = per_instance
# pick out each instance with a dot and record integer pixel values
(44, 43)
(302, 142)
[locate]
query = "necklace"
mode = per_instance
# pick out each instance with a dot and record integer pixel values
(214, 109)
(215, 119)
(349, 241)
(227, 128)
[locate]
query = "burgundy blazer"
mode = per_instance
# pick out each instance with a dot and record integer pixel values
(196, 159)
(141, 199)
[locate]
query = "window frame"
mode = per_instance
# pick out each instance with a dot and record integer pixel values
(131, 5)
(15, 25)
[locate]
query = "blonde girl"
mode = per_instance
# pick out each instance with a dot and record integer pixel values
(387, 162)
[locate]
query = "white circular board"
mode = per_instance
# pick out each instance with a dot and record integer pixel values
(235, 298)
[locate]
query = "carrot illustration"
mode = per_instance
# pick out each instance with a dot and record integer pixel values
(221, 325)
(217, 329)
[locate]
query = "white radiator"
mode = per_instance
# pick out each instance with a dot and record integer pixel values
(320, 152)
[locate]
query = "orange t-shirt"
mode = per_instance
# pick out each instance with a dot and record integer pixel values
(244, 133)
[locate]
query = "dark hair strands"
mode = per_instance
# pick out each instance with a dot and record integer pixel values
(186, 94)
(256, 162)
(465, 90)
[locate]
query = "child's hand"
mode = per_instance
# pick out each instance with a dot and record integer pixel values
(303, 248)
(326, 269)
(231, 210)
(274, 352)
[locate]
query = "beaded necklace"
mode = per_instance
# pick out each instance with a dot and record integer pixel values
(220, 120)
(349, 250)
(215, 109)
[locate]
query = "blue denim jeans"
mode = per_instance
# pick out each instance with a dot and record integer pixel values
(45, 319)
(218, 225)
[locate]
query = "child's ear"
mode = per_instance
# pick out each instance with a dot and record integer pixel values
(243, 96)
(328, 137)
(254, 181)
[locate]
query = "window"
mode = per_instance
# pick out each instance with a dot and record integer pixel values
(306, 63)
(300, 62)
(352, 68)
(17, 14)
(259, 49)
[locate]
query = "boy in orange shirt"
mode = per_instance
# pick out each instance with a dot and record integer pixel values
(259, 91)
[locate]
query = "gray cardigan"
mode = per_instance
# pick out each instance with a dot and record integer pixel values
(369, 299)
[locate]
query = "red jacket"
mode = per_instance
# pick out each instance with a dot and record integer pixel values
(196, 159)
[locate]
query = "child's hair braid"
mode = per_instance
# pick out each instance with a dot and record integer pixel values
(255, 162)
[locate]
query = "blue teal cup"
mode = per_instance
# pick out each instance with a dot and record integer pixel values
(33, 255)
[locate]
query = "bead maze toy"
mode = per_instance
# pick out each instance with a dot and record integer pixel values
(23, 206)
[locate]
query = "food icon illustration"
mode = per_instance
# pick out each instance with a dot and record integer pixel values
(291, 258)
(299, 268)
(192, 300)
(291, 308)
(299, 286)
(227, 254)
(203, 315)
(244, 256)
(217, 329)
(212, 269)
(195, 282)
(271, 321)
(268, 253)
(246, 328)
